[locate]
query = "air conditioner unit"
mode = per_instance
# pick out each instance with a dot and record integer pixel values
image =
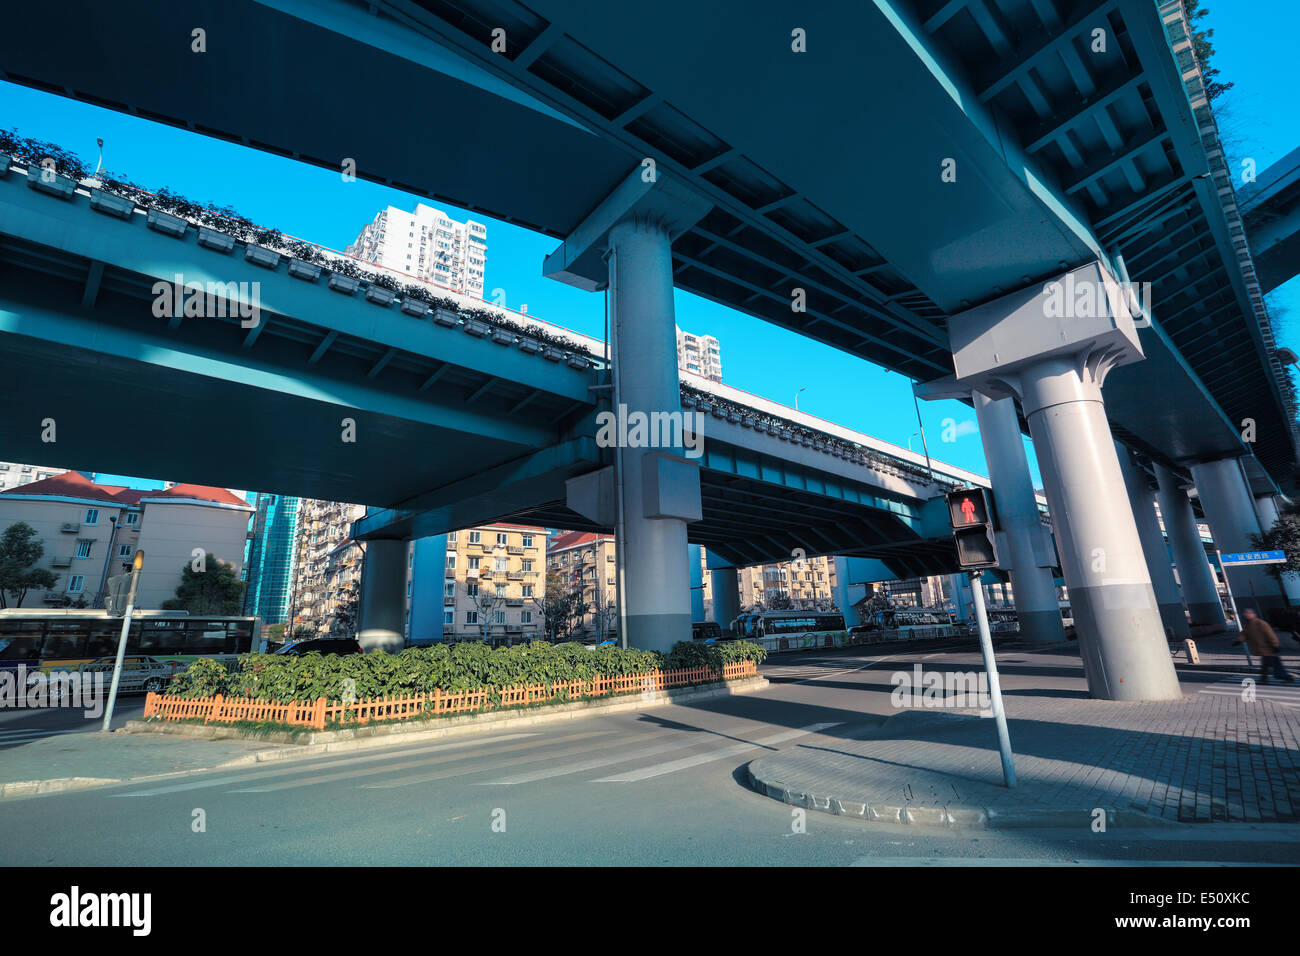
(70, 527)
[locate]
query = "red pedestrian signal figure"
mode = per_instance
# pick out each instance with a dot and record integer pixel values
(968, 510)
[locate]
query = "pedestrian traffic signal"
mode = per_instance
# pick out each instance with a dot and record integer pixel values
(116, 593)
(970, 513)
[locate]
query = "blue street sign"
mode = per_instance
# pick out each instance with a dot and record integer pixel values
(1254, 557)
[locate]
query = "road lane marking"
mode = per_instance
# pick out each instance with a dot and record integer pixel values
(658, 770)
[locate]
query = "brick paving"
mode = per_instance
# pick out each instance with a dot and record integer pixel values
(1228, 752)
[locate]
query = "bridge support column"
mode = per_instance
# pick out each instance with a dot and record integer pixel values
(1142, 500)
(725, 585)
(382, 623)
(957, 584)
(661, 490)
(1121, 637)
(1052, 346)
(1226, 501)
(1037, 606)
(1194, 574)
(1267, 512)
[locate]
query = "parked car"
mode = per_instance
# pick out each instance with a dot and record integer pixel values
(139, 674)
(324, 645)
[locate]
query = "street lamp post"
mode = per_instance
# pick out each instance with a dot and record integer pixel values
(796, 397)
(136, 565)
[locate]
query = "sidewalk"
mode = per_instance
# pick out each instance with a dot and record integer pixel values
(1219, 756)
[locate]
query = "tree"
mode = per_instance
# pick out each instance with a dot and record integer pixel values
(345, 614)
(19, 551)
(1202, 44)
(556, 606)
(1283, 536)
(216, 590)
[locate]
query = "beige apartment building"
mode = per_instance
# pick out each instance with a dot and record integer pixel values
(327, 564)
(91, 532)
(494, 585)
(587, 562)
(808, 584)
(13, 474)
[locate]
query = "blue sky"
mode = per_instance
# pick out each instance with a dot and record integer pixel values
(316, 204)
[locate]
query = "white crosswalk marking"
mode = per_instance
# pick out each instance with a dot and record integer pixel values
(659, 770)
(291, 767)
(1288, 695)
(426, 762)
(622, 757)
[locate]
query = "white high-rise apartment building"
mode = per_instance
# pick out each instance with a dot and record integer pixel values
(13, 474)
(427, 244)
(699, 354)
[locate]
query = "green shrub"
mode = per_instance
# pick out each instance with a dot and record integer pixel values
(455, 668)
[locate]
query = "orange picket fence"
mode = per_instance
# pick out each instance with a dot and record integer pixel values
(318, 714)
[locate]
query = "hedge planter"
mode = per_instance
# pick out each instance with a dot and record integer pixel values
(308, 271)
(446, 317)
(733, 417)
(748, 421)
(552, 354)
(531, 346)
(379, 295)
(579, 362)
(212, 239)
(54, 184)
(261, 257)
(415, 307)
(703, 408)
(502, 337)
(344, 284)
(5, 160)
(166, 223)
(111, 205)
(477, 328)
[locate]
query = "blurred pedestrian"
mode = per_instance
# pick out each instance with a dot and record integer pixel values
(1260, 637)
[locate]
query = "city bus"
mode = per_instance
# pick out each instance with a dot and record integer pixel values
(792, 630)
(65, 639)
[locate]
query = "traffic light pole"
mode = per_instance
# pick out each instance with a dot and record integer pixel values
(121, 643)
(995, 689)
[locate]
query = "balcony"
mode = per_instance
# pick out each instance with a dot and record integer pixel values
(451, 572)
(514, 575)
(514, 602)
(514, 549)
(65, 561)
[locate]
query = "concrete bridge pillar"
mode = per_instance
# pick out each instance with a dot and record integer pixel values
(660, 488)
(1037, 606)
(725, 585)
(1142, 499)
(1121, 636)
(1194, 574)
(1052, 344)
(957, 584)
(1230, 512)
(382, 623)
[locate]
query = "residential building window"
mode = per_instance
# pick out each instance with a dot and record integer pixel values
(528, 541)
(448, 617)
(92, 516)
(75, 583)
(525, 617)
(471, 617)
(450, 589)
(124, 551)
(476, 537)
(132, 517)
(501, 590)
(501, 564)
(83, 548)
(526, 564)
(474, 562)
(451, 537)
(528, 590)
(502, 538)
(451, 561)
(498, 617)
(471, 589)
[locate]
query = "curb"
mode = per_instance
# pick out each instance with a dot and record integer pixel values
(469, 725)
(948, 817)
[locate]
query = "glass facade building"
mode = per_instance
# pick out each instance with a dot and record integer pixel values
(270, 561)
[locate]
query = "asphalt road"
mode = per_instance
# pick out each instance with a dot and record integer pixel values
(640, 789)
